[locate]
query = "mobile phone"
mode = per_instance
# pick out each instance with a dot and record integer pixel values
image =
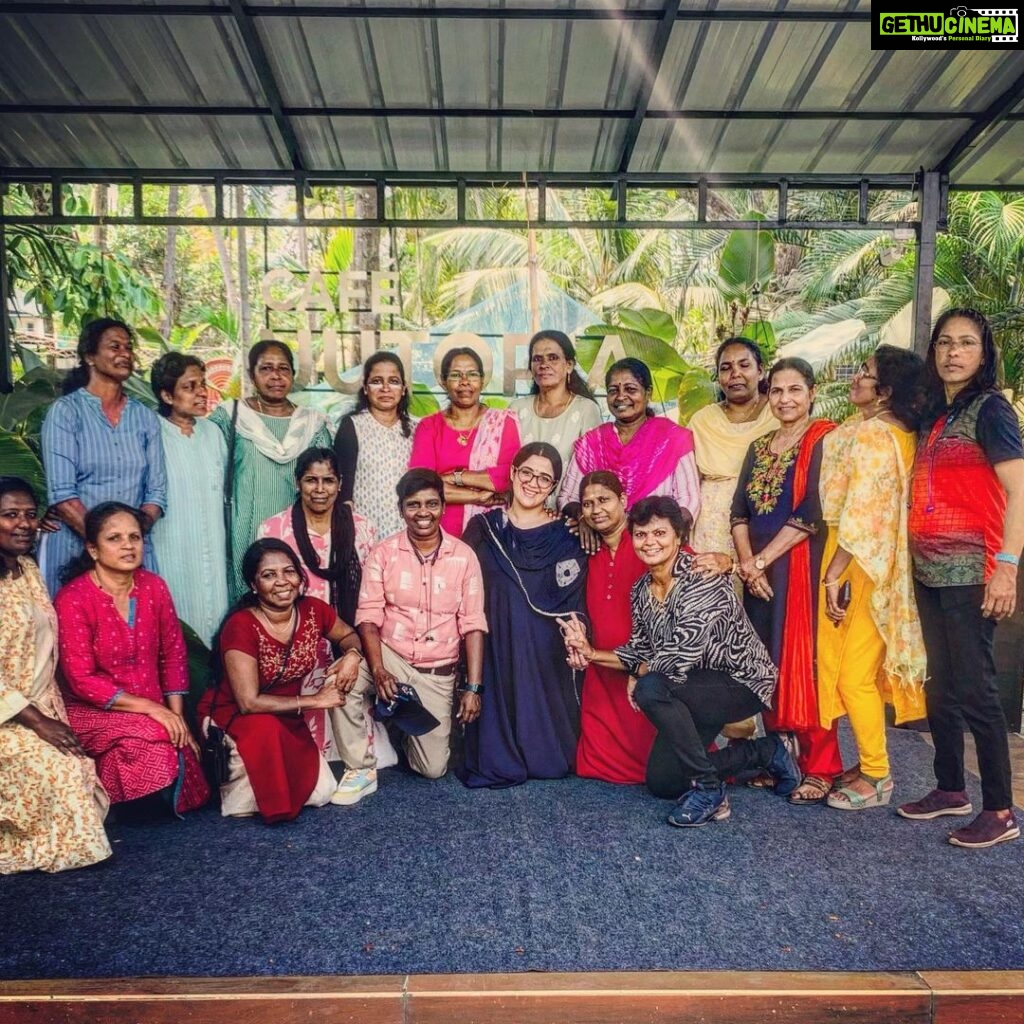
(844, 595)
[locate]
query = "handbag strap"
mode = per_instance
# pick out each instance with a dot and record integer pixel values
(229, 487)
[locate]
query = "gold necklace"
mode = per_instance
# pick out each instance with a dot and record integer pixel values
(277, 630)
(463, 438)
(263, 411)
(750, 417)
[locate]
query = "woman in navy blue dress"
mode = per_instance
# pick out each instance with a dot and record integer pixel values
(534, 572)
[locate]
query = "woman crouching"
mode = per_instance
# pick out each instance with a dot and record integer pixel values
(695, 664)
(268, 647)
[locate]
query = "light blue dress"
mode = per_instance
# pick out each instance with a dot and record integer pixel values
(189, 539)
(86, 457)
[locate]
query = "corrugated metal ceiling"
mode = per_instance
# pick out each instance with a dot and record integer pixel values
(587, 87)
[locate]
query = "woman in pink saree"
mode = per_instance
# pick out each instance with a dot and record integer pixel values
(649, 454)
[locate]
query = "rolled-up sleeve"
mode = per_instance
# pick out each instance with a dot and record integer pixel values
(60, 446)
(470, 615)
(371, 591)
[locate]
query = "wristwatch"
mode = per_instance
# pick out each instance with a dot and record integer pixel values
(477, 688)
(760, 564)
(458, 478)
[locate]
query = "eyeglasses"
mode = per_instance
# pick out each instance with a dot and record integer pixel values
(862, 372)
(458, 376)
(949, 344)
(527, 475)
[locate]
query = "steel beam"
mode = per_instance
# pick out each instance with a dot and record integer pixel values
(6, 376)
(540, 113)
(931, 213)
(264, 73)
(539, 13)
(999, 110)
(646, 90)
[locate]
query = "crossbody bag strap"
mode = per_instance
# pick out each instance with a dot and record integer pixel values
(229, 487)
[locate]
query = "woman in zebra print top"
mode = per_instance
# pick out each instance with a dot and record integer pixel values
(695, 664)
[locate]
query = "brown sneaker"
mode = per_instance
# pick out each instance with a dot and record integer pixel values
(936, 804)
(987, 829)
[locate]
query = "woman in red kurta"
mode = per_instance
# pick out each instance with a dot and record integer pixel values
(615, 738)
(124, 667)
(268, 647)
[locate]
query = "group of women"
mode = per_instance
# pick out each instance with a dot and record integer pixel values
(647, 585)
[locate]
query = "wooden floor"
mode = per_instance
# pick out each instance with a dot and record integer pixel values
(943, 997)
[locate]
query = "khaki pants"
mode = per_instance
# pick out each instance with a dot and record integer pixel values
(428, 754)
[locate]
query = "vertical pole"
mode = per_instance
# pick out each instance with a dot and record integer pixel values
(6, 376)
(930, 213)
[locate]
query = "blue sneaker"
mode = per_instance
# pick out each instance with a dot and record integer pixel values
(783, 768)
(698, 806)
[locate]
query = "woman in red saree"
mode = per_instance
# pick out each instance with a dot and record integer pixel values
(779, 533)
(615, 738)
(269, 646)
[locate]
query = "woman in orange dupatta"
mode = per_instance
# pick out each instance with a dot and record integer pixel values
(779, 534)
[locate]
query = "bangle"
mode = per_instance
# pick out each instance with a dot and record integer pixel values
(734, 568)
(830, 583)
(298, 706)
(477, 688)
(1007, 559)
(458, 478)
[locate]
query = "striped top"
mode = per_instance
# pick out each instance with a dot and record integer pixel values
(189, 540)
(700, 624)
(86, 457)
(262, 486)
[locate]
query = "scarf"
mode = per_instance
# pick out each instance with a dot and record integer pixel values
(649, 457)
(796, 701)
(302, 427)
(485, 451)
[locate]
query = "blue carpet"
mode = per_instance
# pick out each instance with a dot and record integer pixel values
(552, 876)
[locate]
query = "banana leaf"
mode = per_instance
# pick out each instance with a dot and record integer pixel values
(18, 459)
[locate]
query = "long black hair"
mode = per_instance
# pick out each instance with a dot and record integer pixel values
(88, 345)
(363, 403)
(343, 571)
(986, 379)
(95, 519)
(575, 382)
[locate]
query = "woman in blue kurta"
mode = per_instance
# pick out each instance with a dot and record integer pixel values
(99, 445)
(534, 571)
(189, 540)
(779, 534)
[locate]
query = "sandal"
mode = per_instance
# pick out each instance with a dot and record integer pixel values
(762, 780)
(850, 775)
(846, 799)
(814, 785)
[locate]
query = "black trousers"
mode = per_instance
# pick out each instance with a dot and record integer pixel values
(961, 690)
(688, 718)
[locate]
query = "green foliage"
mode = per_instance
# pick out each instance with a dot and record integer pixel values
(18, 459)
(422, 401)
(696, 390)
(747, 262)
(198, 667)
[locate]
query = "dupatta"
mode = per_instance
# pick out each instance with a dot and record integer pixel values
(649, 457)
(796, 698)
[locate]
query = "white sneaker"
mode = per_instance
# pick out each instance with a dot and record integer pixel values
(355, 784)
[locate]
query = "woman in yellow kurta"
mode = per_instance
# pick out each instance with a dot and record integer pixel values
(872, 651)
(722, 433)
(51, 803)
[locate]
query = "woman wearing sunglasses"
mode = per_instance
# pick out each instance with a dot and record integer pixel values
(469, 445)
